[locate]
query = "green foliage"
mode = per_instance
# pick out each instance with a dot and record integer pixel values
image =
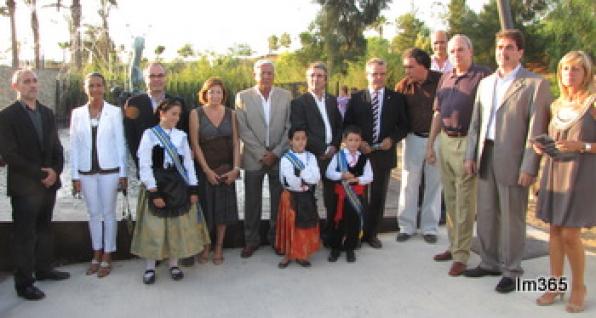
(411, 33)
(273, 42)
(285, 40)
(186, 51)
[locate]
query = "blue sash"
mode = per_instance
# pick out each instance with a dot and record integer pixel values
(350, 194)
(294, 160)
(164, 139)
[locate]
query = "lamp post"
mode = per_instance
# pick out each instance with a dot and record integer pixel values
(505, 14)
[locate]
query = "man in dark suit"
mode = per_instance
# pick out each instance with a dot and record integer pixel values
(30, 146)
(317, 112)
(381, 114)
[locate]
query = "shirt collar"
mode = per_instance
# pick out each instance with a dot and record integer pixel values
(316, 98)
(263, 97)
(27, 106)
(381, 91)
(511, 75)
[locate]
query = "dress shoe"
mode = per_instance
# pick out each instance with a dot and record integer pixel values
(149, 277)
(350, 256)
(445, 256)
(52, 275)
(505, 285)
(430, 238)
(248, 250)
(176, 273)
(480, 272)
(457, 268)
(284, 264)
(303, 263)
(30, 293)
(374, 242)
(402, 237)
(334, 255)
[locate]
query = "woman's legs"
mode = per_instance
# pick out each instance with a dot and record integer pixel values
(574, 249)
(220, 234)
(557, 258)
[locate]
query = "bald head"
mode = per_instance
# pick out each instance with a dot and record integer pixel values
(24, 82)
(438, 41)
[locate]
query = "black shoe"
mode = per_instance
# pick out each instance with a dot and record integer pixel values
(248, 250)
(187, 262)
(350, 256)
(505, 285)
(149, 277)
(52, 275)
(283, 264)
(176, 273)
(334, 255)
(30, 293)
(430, 238)
(303, 263)
(374, 242)
(402, 237)
(480, 272)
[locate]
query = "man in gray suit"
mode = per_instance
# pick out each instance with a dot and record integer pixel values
(511, 108)
(263, 113)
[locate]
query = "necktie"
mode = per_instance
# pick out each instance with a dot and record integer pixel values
(375, 113)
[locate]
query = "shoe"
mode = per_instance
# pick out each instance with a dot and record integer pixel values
(480, 272)
(350, 256)
(188, 261)
(93, 268)
(430, 238)
(248, 250)
(402, 237)
(52, 275)
(176, 273)
(105, 269)
(334, 255)
(374, 242)
(283, 264)
(549, 298)
(149, 277)
(445, 256)
(303, 263)
(577, 308)
(457, 268)
(30, 293)
(505, 285)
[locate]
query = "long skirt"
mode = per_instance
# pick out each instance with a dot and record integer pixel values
(167, 237)
(294, 242)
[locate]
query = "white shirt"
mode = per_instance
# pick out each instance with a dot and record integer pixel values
(145, 154)
(323, 110)
(502, 84)
(309, 175)
(156, 101)
(381, 94)
(434, 65)
(266, 110)
(334, 175)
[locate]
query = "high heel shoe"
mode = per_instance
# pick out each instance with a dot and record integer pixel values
(549, 298)
(576, 308)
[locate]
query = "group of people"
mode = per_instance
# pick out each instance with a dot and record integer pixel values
(492, 130)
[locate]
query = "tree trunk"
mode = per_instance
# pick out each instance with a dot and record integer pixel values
(75, 34)
(35, 28)
(13, 30)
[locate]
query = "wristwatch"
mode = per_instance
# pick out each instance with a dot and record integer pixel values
(587, 147)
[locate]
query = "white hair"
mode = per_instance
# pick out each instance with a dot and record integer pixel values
(260, 63)
(464, 38)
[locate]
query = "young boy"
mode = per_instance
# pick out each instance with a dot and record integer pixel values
(352, 171)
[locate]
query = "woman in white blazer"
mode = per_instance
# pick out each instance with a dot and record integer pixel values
(98, 164)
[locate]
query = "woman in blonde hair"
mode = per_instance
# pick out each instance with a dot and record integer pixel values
(566, 197)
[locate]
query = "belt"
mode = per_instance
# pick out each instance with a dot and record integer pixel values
(421, 135)
(454, 134)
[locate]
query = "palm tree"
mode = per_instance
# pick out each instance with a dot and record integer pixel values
(64, 46)
(104, 13)
(159, 51)
(11, 8)
(35, 28)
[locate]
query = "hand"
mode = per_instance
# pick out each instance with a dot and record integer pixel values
(50, 179)
(193, 198)
(386, 143)
(538, 149)
(269, 158)
(230, 176)
(431, 156)
(76, 185)
(122, 184)
(159, 203)
(331, 150)
(354, 180)
(569, 146)
(347, 176)
(525, 180)
(470, 167)
(212, 177)
(365, 148)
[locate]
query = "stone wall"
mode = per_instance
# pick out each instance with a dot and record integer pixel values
(47, 87)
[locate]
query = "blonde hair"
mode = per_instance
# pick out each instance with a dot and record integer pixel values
(212, 81)
(583, 60)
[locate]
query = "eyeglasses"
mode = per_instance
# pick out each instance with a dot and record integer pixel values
(160, 75)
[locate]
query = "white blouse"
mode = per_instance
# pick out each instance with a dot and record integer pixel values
(333, 174)
(309, 175)
(145, 154)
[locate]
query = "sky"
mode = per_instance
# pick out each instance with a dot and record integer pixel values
(213, 25)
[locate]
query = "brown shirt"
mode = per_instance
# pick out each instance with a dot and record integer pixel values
(455, 98)
(419, 100)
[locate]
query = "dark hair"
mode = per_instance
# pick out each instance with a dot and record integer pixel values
(513, 34)
(293, 130)
(96, 74)
(168, 104)
(352, 130)
(418, 55)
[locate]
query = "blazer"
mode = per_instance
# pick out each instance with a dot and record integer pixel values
(394, 122)
(24, 154)
(305, 113)
(111, 147)
(252, 128)
(522, 115)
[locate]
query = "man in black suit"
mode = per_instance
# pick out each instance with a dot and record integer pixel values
(317, 112)
(30, 146)
(381, 114)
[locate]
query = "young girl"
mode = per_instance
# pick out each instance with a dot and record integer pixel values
(297, 226)
(352, 171)
(166, 214)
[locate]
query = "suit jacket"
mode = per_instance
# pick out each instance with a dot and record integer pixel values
(522, 115)
(111, 147)
(252, 128)
(394, 122)
(24, 154)
(139, 115)
(305, 113)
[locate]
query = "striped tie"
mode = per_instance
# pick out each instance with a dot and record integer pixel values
(375, 112)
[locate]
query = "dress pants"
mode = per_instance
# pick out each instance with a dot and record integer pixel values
(253, 192)
(377, 194)
(501, 220)
(414, 167)
(348, 227)
(460, 196)
(33, 242)
(100, 192)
